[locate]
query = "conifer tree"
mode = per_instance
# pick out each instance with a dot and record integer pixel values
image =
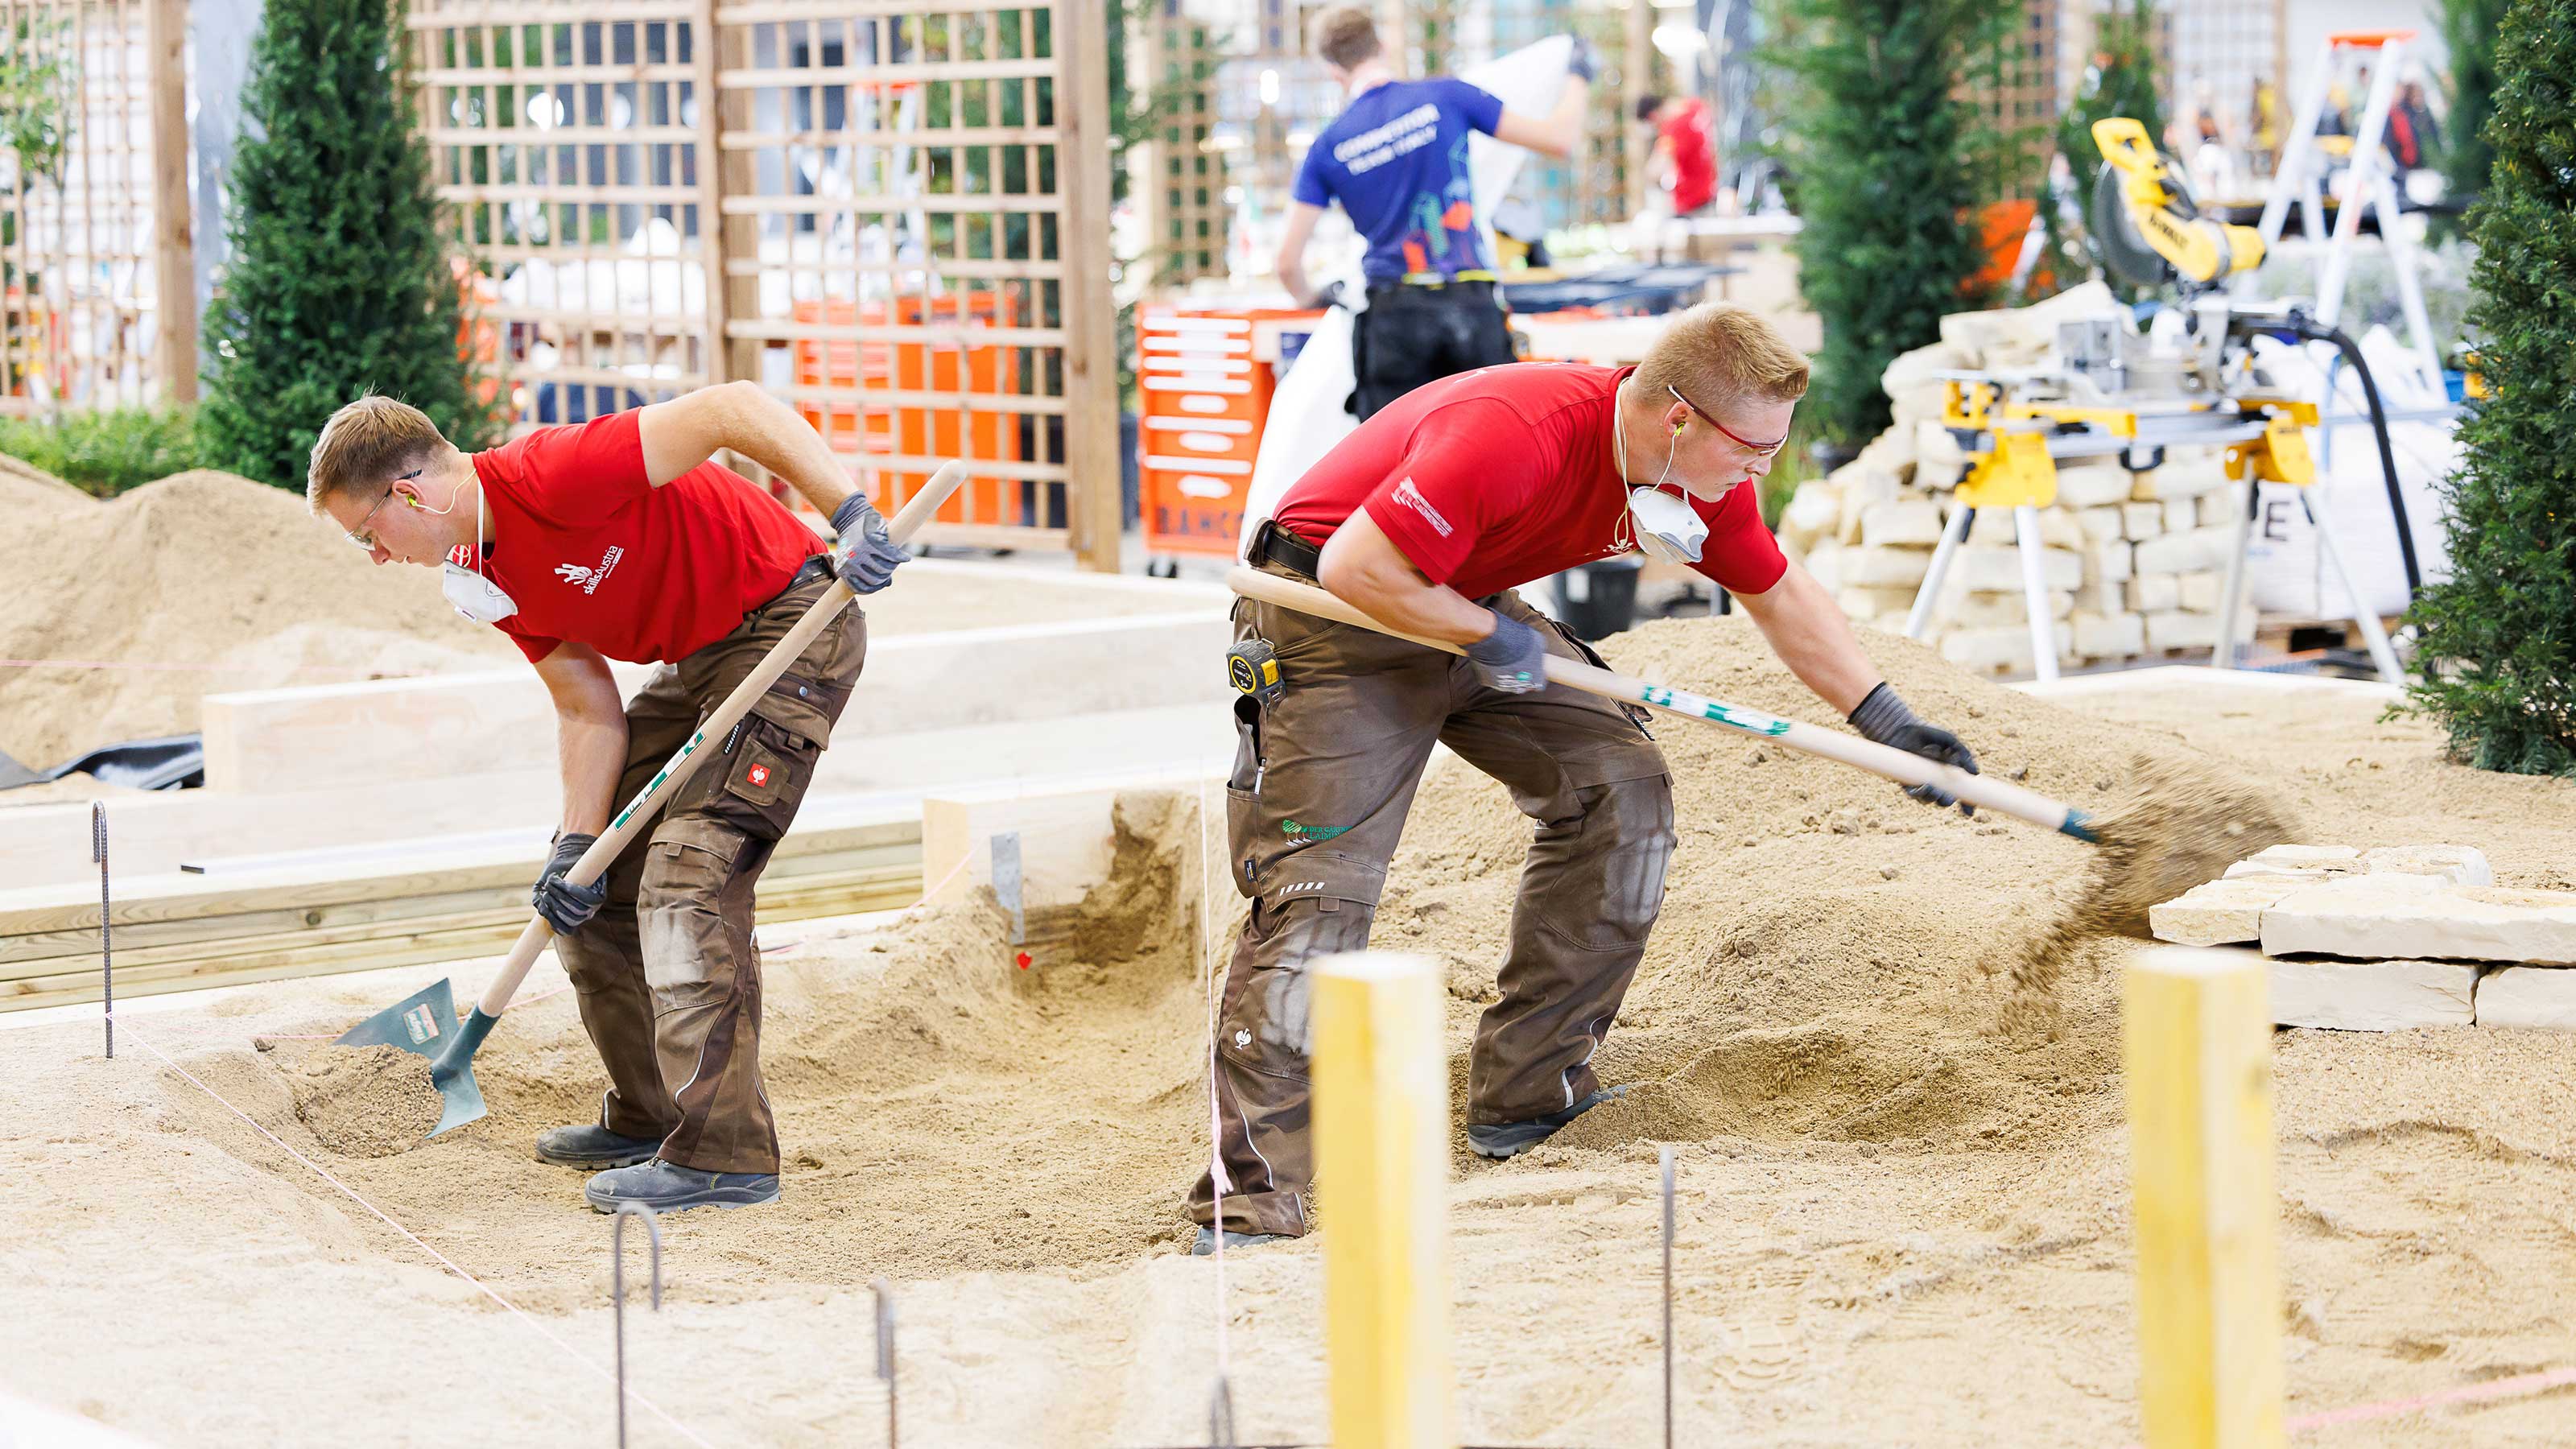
(339, 282)
(2469, 34)
(2498, 643)
(1890, 163)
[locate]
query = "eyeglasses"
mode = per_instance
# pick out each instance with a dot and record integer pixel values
(360, 535)
(1759, 450)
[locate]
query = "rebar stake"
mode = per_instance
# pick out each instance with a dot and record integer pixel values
(106, 958)
(1221, 1415)
(617, 1289)
(885, 1351)
(1667, 1155)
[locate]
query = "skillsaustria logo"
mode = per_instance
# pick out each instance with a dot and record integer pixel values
(586, 579)
(1295, 831)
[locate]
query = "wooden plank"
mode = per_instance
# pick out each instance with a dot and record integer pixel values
(891, 73)
(1382, 1141)
(932, 137)
(27, 954)
(705, 39)
(461, 17)
(174, 267)
(2197, 1043)
(189, 897)
(756, 12)
(1090, 319)
(831, 898)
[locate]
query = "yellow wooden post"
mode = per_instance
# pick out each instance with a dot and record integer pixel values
(1382, 1161)
(2198, 1053)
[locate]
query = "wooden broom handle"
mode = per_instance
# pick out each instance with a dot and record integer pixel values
(595, 861)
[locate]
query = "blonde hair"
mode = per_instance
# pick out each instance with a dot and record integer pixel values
(368, 442)
(1719, 354)
(1344, 36)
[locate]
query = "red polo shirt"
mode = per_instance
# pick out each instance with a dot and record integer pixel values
(1493, 478)
(594, 553)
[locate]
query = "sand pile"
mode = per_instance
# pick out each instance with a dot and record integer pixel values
(30, 496)
(365, 1101)
(1834, 960)
(201, 569)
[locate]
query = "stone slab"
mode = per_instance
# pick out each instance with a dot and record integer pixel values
(2155, 593)
(2141, 520)
(2181, 515)
(2185, 552)
(2110, 636)
(2372, 918)
(2183, 475)
(2219, 912)
(2374, 995)
(2099, 525)
(2093, 485)
(2459, 864)
(2536, 998)
(1998, 569)
(1904, 521)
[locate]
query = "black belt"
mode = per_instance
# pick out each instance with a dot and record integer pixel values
(1276, 545)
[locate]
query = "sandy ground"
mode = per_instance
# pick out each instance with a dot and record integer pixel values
(1901, 1220)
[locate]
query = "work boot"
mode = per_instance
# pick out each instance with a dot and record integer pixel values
(667, 1187)
(592, 1147)
(1206, 1244)
(1499, 1140)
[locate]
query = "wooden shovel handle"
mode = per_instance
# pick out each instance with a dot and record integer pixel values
(594, 862)
(1984, 791)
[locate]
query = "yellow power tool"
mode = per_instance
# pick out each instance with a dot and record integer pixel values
(2148, 226)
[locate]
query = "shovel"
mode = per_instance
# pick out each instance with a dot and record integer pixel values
(1983, 791)
(425, 1022)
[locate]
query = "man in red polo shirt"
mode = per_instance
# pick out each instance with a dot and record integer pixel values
(1425, 518)
(619, 539)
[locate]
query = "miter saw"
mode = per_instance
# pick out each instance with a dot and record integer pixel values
(2110, 389)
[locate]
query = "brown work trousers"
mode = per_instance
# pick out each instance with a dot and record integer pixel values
(1322, 780)
(667, 974)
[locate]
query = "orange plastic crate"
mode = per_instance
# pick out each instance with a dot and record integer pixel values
(920, 430)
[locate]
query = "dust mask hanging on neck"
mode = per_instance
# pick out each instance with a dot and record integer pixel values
(1666, 527)
(467, 591)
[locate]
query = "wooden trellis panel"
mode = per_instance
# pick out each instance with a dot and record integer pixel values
(94, 206)
(1185, 207)
(892, 213)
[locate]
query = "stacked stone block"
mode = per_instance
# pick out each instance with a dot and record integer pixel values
(2382, 940)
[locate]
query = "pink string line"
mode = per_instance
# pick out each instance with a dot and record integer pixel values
(2512, 1388)
(548, 1334)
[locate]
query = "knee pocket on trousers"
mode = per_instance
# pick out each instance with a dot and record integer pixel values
(687, 945)
(1266, 1025)
(1629, 825)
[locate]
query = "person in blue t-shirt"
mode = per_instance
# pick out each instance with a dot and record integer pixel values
(1396, 159)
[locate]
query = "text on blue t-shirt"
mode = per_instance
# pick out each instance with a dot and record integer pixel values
(1397, 162)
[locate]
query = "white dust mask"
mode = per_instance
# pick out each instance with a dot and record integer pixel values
(468, 592)
(1667, 527)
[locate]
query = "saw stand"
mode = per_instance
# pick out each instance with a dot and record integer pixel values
(2266, 441)
(2009, 477)
(2369, 182)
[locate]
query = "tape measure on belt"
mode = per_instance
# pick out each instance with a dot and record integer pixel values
(1252, 666)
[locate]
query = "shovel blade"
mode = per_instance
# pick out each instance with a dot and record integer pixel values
(423, 1023)
(453, 1074)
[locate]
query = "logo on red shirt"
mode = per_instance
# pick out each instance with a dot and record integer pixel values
(589, 580)
(1411, 497)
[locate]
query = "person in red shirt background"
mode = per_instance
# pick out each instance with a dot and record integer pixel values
(620, 539)
(1425, 518)
(1685, 152)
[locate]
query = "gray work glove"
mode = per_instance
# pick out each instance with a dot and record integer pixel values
(1581, 65)
(1512, 659)
(1884, 717)
(568, 907)
(865, 554)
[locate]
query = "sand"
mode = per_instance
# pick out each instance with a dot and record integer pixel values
(1903, 1215)
(200, 583)
(208, 583)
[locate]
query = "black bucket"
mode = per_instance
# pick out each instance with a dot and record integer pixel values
(1599, 599)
